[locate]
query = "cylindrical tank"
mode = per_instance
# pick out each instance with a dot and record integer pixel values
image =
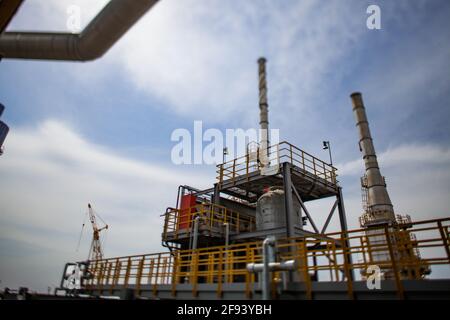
(271, 210)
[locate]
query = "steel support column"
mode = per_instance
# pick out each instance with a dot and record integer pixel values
(216, 196)
(344, 229)
(289, 207)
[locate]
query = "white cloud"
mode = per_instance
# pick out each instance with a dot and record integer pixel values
(404, 155)
(417, 177)
(200, 57)
(50, 173)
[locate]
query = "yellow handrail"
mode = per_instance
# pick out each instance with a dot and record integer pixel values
(282, 152)
(218, 264)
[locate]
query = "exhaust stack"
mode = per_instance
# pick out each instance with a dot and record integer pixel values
(264, 109)
(379, 206)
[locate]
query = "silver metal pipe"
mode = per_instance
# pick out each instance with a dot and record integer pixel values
(378, 197)
(194, 244)
(268, 257)
(288, 265)
(116, 18)
(264, 110)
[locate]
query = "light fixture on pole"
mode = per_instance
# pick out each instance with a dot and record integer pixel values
(225, 152)
(327, 146)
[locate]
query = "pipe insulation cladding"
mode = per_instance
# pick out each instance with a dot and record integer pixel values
(116, 18)
(378, 197)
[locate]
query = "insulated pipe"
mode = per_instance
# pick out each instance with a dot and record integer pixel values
(264, 113)
(268, 257)
(116, 18)
(378, 200)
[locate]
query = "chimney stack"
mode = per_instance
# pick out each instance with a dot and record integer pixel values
(263, 107)
(379, 205)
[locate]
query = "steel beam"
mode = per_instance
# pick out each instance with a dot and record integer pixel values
(330, 215)
(344, 229)
(289, 207)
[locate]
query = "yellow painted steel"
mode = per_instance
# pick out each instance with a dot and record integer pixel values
(212, 219)
(218, 265)
(283, 152)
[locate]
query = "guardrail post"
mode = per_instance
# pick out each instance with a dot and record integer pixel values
(248, 257)
(234, 171)
(139, 276)
(290, 150)
(394, 264)
(176, 270)
(304, 265)
(221, 174)
(115, 278)
(195, 273)
(127, 273)
(445, 240)
(219, 274)
(347, 267)
(155, 285)
(303, 160)
(314, 166)
(108, 273)
(247, 161)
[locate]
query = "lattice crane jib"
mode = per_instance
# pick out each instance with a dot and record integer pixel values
(96, 250)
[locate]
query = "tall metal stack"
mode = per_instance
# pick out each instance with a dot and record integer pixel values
(379, 206)
(264, 111)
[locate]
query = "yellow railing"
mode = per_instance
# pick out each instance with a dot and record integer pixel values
(279, 153)
(154, 269)
(212, 218)
(334, 259)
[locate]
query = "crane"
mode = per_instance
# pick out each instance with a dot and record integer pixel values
(96, 251)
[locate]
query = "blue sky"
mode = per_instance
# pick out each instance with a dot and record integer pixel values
(100, 131)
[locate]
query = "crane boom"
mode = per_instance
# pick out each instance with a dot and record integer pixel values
(96, 251)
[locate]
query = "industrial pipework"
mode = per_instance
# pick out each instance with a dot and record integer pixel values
(116, 18)
(379, 205)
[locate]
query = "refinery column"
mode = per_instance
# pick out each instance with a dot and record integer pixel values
(378, 203)
(378, 209)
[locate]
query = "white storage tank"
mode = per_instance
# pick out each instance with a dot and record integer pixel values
(270, 209)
